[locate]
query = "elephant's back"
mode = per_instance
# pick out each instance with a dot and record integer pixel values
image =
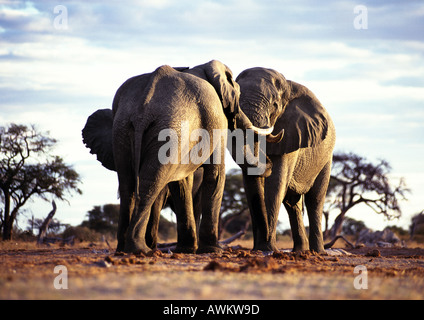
(185, 97)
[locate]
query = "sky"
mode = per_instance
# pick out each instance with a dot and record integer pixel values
(62, 60)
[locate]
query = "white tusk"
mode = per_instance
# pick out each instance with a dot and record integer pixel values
(262, 131)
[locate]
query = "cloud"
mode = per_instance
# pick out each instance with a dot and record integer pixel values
(406, 81)
(19, 20)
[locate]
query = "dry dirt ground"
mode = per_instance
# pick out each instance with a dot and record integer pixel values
(96, 272)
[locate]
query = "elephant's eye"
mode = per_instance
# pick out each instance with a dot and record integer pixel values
(275, 104)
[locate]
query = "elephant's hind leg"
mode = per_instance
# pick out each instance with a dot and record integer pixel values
(153, 225)
(294, 203)
(149, 191)
(314, 201)
(186, 225)
(212, 190)
(127, 203)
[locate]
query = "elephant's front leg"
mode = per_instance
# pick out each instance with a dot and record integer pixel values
(183, 203)
(314, 201)
(254, 187)
(276, 190)
(212, 191)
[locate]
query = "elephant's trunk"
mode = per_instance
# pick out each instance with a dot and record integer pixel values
(243, 122)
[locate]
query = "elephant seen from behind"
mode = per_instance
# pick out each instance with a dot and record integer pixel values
(97, 136)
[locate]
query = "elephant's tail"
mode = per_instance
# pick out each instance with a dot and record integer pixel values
(138, 141)
(97, 136)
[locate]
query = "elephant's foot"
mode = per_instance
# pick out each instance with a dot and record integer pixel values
(134, 247)
(318, 250)
(185, 249)
(209, 249)
(317, 246)
(300, 248)
(306, 247)
(300, 244)
(265, 247)
(120, 247)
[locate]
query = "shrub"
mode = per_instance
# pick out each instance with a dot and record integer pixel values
(82, 234)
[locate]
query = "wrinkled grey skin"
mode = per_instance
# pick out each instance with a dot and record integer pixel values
(207, 98)
(300, 163)
(97, 135)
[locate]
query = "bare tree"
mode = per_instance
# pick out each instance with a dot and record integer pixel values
(45, 225)
(27, 170)
(356, 181)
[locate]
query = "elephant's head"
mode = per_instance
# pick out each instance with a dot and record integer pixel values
(264, 95)
(268, 99)
(221, 78)
(228, 90)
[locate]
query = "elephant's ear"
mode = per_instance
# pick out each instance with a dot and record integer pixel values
(221, 78)
(305, 122)
(97, 136)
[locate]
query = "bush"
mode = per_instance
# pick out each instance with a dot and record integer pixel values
(25, 236)
(82, 234)
(400, 232)
(418, 235)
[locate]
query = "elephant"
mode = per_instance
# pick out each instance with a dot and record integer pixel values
(300, 163)
(153, 114)
(97, 136)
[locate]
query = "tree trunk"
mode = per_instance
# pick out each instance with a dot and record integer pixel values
(7, 223)
(7, 229)
(43, 229)
(336, 229)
